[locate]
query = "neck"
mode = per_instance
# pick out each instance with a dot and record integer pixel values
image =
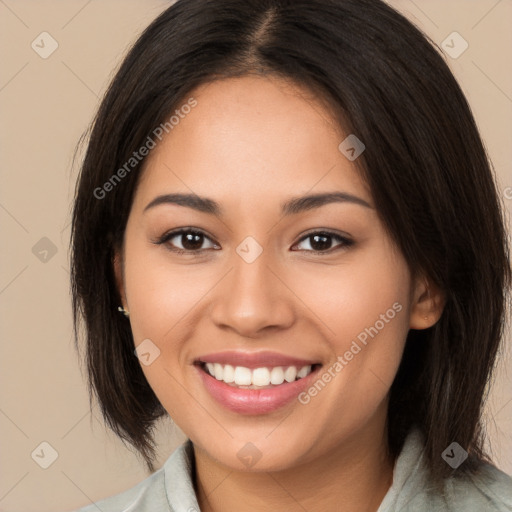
(355, 476)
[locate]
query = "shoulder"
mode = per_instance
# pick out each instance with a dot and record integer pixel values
(170, 486)
(486, 490)
(149, 493)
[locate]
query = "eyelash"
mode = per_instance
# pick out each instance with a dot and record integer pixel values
(345, 242)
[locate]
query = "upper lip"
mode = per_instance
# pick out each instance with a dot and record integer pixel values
(254, 359)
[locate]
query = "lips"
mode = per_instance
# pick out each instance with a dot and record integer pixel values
(255, 359)
(254, 401)
(251, 398)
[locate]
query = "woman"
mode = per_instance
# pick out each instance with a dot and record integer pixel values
(287, 236)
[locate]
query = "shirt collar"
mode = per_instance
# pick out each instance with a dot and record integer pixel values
(179, 477)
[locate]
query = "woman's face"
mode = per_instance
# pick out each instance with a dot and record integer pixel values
(263, 288)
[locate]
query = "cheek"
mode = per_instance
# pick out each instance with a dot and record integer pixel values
(162, 297)
(161, 293)
(363, 309)
(352, 297)
(165, 298)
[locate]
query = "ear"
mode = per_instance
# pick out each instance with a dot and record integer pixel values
(427, 305)
(117, 263)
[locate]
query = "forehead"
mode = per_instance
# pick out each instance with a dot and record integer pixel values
(249, 138)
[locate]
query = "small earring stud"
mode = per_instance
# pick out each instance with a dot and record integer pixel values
(122, 310)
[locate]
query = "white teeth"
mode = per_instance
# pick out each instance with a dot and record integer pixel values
(305, 370)
(242, 376)
(277, 376)
(258, 377)
(218, 371)
(229, 374)
(261, 377)
(290, 374)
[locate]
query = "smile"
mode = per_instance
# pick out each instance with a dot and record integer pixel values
(243, 377)
(254, 383)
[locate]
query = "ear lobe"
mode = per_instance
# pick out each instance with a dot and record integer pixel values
(428, 304)
(117, 263)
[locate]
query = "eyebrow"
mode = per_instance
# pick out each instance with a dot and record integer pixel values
(293, 206)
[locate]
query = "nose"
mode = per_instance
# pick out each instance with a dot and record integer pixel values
(253, 299)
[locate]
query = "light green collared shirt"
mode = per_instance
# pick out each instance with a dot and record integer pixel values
(171, 489)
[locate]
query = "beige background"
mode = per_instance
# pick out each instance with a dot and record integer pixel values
(46, 104)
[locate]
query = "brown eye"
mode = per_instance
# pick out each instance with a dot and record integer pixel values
(191, 241)
(321, 241)
(186, 241)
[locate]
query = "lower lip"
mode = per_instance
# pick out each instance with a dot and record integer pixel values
(254, 401)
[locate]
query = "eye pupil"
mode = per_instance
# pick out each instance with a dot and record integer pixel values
(192, 241)
(320, 245)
